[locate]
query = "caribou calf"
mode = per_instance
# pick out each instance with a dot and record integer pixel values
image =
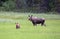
(17, 25)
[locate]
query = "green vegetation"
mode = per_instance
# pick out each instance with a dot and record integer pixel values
(30, 5)
(27, 30)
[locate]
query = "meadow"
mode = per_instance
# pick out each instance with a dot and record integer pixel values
(28, 31)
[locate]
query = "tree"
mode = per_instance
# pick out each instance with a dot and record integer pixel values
(57, 6)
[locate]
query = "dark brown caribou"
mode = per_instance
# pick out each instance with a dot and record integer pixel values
(36, 20)
(17, 25)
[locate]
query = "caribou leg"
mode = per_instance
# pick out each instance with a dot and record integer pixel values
(34, 23)
(42, 22)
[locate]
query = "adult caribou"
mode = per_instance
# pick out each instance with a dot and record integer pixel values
(36, 20)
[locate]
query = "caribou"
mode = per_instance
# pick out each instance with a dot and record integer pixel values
(36, 20)
(17, 25)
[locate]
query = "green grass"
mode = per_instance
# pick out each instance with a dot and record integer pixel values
(27, 30)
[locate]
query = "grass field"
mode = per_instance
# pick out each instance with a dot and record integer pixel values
(27, 30)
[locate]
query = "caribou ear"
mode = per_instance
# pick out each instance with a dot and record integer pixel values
(28, 15)
(31, 15)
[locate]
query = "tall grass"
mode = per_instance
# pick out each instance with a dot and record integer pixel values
(27, 30)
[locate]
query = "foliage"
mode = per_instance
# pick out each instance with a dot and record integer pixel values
(28, 31)
(30, 5)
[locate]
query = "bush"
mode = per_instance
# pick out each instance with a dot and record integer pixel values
(9, 5)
